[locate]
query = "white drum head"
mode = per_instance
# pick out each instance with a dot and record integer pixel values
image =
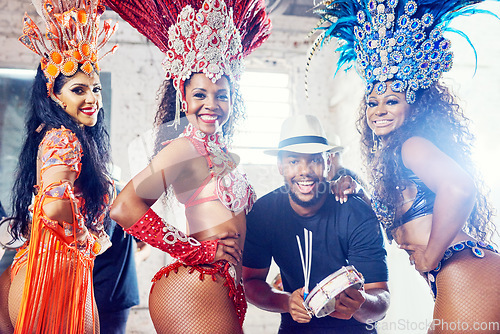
(321, 300)
(6, 238)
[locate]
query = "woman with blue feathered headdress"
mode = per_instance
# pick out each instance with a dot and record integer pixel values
(417, 146)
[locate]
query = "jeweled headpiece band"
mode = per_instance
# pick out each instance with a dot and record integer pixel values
(391, 40)
(203, 41)
(72, 38)
(400, 49)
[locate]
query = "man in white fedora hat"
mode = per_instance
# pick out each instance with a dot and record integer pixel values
(303, 134)
(342, 235)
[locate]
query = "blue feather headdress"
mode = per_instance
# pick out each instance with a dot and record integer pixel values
(390, 40)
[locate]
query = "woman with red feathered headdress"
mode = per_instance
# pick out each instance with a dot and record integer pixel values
(204, 43)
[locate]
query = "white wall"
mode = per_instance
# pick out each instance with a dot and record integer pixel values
(136, 75)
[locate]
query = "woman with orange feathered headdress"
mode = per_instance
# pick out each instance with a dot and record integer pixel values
(62, 188)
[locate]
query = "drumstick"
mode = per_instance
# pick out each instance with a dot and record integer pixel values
(306, 261)
(308, 257)
(302, 258)
(308, 265)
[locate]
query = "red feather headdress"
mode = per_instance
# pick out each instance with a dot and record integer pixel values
(210, 36)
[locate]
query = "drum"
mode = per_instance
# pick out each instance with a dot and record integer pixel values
(6, 238)
(321, 299)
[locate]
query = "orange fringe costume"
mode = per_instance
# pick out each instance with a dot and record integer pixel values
(59, 256)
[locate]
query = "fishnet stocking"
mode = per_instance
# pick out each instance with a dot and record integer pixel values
(5, 324)
(182, 303)
(468, 295)
(15, 296)
(16, 293)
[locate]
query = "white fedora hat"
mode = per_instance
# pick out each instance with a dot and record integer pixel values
(303, 134)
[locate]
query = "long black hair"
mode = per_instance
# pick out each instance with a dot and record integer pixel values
(436, 116)
(43, 115)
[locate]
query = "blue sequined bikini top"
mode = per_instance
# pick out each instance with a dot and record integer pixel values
(422, 205)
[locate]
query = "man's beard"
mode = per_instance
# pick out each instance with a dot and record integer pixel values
(323, 189)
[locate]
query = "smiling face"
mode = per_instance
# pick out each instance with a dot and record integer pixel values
(208, 104)
(304, 176)
(386, 112)
(82, 96)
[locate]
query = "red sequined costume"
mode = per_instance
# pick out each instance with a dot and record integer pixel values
(232, 189)
(59, 256)
(210, 37)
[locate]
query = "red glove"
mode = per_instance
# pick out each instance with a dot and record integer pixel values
(155, 231)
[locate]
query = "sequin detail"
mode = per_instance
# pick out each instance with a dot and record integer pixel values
(401, 49)
(72, 39)
(393, 40)
(154, 231)
(232, 186)
(58, 254)
(384, 213)
(61, 148)
(476, 248)
(203, 41)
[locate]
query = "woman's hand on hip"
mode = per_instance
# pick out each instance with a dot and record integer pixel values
(228, 248)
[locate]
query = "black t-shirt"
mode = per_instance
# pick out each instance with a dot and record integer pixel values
(343, 234)
(115, 278)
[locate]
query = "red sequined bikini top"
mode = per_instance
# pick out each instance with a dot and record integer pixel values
(232, 187)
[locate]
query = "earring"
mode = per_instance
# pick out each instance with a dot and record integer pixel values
(40, 127)
(58, 101)
(178, 108)
(375, 143)
(328, 162)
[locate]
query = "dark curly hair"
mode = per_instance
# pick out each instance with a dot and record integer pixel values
(436, 116)
(93, 180)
